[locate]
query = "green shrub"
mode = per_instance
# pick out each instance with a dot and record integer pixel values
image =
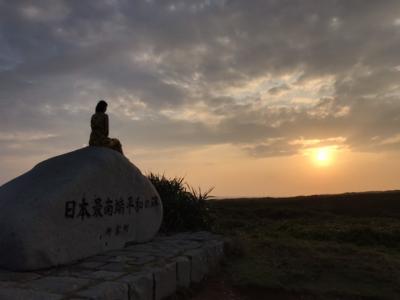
(185, 209)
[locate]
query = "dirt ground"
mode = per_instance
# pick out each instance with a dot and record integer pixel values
(220, 289)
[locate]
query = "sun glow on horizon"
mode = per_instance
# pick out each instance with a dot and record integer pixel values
(323, 157)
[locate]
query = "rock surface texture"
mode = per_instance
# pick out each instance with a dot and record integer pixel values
(151, 271)
(74, 206)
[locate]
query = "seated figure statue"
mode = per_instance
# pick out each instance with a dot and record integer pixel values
(99, 124)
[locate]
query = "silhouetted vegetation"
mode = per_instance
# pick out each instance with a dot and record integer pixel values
(185, 208)
(318, 247)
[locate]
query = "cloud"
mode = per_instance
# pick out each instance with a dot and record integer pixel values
(278, 89)
(203, 72)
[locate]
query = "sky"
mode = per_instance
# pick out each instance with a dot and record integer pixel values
(252, 98)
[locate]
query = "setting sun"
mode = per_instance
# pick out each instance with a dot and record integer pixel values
(323, 156)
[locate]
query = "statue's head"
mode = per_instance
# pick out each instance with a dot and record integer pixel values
(101, 106)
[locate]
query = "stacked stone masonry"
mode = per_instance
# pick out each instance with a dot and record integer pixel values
(150, 271)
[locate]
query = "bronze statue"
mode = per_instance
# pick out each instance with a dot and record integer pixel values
(99, 124)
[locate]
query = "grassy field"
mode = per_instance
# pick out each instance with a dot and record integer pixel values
(318, 247)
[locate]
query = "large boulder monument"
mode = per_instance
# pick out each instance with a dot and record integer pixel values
(73, 206)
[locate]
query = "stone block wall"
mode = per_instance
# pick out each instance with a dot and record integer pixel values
(150, 271)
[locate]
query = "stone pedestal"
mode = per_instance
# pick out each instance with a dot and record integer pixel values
(74, 206)
(137, 275)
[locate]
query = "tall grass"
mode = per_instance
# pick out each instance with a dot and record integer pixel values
(185, 208)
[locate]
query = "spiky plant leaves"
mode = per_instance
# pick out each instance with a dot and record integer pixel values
(185, 208)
